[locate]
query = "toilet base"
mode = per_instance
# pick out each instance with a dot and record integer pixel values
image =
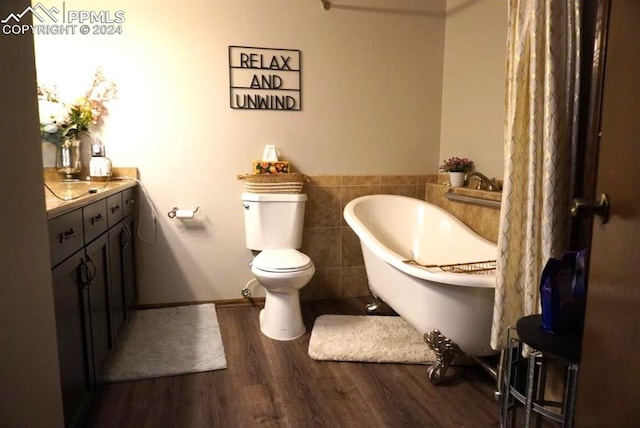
(281, 318)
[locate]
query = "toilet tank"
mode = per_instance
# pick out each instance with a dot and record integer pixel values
(273, 220)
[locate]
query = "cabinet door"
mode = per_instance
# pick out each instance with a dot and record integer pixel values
(129, 267)
(71, 300)
(97, 255)
(117, 241)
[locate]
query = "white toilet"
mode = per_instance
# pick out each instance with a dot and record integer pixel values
(273, 224)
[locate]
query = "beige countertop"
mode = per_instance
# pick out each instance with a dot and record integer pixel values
(76, 194)
(64, 196)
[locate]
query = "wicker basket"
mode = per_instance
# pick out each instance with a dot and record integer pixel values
(274, 183)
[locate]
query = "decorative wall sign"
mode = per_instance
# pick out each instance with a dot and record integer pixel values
(264, 78)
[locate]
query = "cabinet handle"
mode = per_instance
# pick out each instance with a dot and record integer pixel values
(88, 271)
(96, 219)
(115, 209)
(85, 274)
(125, 236)
(84, 277)
(129, 234)
(95, 269)
(67, 235)
(130, 201)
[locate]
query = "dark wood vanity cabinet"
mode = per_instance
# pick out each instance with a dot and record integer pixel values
(117, 240)
(93, 277)
(99, 284)
(82, 309)
(129, 198)
(73, 325)
(122, 269)
(122, 262)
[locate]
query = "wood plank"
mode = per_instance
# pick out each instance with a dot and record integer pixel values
(276, 384)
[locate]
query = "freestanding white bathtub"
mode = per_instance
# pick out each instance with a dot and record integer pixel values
(393, 229)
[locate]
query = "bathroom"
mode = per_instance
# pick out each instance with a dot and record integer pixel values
(186, 133)
(350, 69)
(361, 125)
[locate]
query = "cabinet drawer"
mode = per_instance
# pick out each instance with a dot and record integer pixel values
(129, 200)
(95, 220)
(114, 209)
(65, 236)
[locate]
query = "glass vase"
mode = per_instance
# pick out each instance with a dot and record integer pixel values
(68, 162)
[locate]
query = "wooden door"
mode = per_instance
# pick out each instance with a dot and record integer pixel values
(609, 379)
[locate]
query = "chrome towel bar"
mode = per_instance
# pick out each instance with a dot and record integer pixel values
(471, 199)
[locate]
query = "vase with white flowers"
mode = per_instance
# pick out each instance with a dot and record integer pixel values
(61, 123)
(457, 169)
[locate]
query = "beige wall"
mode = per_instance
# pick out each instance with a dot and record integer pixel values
(29, 376)
(384, 93)
(371, 88)
(473, 83)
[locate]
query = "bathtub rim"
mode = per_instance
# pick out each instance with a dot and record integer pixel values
(396, 260)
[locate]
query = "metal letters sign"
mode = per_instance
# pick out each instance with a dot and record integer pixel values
(264, 78)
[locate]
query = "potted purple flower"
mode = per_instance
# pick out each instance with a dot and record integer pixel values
(457, 168)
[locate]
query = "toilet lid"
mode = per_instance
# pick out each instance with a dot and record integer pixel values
(281, 261)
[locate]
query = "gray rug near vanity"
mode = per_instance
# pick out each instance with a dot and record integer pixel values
(169, 341)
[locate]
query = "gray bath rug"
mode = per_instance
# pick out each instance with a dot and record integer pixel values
(367, 338)
(168, 341)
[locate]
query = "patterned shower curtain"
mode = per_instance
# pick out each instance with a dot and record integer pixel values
(542, 84)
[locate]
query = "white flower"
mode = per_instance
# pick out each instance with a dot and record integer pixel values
(53, 113)
(50, 128)
(58, 118)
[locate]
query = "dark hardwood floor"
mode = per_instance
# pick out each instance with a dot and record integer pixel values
(276, 384)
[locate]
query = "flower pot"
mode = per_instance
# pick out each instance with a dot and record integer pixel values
(68, 162)
(456, 179)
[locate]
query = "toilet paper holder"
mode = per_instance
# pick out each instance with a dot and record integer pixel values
(182, 214)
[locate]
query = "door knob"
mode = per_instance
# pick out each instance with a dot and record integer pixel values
(583, 207)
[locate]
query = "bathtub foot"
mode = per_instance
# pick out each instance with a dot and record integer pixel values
(445, 351)
(373, 306)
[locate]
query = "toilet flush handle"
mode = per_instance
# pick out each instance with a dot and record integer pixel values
(246, 206)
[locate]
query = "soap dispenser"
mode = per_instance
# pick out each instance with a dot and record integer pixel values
(99, 165)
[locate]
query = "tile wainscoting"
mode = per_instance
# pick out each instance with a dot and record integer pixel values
(335, 248)
(481, 219)
(328, 240)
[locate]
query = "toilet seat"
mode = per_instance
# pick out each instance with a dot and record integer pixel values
(281, 261)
